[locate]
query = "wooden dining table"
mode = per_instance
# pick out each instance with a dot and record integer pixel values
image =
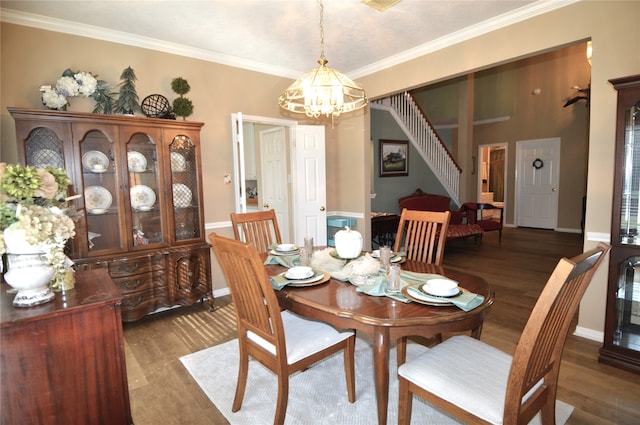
(384, 319)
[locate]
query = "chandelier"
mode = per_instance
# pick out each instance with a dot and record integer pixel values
(323, 90)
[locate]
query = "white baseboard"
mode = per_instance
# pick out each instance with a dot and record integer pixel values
(589, 334)
(221, 292)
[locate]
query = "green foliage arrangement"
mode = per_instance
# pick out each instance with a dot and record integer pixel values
(181, 105)
(128, 98)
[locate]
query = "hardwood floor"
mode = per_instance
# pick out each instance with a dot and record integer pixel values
(162, 392)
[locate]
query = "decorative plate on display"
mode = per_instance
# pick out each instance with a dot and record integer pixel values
(178, 163)
(47, 158)
(137, 161)
(142, 197)
(97, 199)
(95, 161)
(181, 195)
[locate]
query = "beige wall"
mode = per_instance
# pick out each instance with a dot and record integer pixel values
(615, 33)
(30, 58)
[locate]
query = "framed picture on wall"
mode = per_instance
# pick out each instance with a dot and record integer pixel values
(394, 158)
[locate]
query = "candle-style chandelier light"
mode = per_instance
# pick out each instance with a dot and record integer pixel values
(323, 90)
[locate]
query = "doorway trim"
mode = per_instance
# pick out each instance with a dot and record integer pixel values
(506, 171)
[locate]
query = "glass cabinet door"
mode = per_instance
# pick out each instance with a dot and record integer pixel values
(146, 220)
(101, 191)
(184, 188)
(630, 196)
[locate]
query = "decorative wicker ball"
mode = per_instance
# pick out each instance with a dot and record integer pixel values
(156, 106)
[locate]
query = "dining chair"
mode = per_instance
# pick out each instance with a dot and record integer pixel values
(480, 384)
(282, 341)
(419, 235)
(259, 227)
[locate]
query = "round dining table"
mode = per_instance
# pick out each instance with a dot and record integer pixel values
(384, 319)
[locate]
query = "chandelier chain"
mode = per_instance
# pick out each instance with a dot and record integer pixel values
(322, 58)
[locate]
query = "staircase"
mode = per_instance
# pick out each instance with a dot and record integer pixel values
(404, 109)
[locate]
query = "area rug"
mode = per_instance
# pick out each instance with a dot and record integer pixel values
(316, 396)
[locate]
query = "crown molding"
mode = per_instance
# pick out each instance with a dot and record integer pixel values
(90, 31)
(74, 28)
(534, 9)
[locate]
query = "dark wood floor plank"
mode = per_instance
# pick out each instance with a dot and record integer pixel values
(163, 392)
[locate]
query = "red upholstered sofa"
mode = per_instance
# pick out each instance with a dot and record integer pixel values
(462, 223)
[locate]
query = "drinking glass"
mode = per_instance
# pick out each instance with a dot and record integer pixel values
(305, 257)
(393, 278)
(385, 256)
(308, 243)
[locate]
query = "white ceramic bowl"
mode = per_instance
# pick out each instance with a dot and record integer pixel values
(441, 287)
(285, 247)
(299, 272)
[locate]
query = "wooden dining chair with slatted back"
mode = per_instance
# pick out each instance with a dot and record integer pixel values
(422, 236)
(259, 227)
(419, 235)
(282, 341)
(480, 384)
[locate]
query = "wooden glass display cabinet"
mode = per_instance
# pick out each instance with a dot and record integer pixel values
(142, 215)
(621, 346)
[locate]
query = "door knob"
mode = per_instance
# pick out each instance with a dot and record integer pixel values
(322, 208)
(554, 189)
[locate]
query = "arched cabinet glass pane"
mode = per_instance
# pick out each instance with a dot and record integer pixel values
(145, 189)
(184, 188)
(101, 192)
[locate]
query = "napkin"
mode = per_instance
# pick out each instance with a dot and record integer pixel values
(466, 301)
(378, 288)
(284, 260)
(279, 281)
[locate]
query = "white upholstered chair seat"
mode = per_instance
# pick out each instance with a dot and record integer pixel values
(304, 337)
(465, 372)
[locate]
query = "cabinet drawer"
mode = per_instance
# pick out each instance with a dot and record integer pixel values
(138, 265)
(136, 305)
(139, 282)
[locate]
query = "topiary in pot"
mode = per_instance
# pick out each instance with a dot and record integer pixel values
(181, 105)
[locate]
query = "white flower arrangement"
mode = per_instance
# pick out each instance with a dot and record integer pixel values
(33, 201)
(73, 84)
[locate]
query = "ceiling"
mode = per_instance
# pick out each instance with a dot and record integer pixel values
(280, 37)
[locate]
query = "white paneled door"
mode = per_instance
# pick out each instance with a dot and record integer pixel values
(310, 184)
(537, 183)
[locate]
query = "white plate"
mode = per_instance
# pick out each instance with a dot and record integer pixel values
(178, 163)
(97, 211)
(142, 196)
(418, 294)
(47, 158)
(137, 162)
(285, 253)
(305, 273)
(441, 288)
(181, 195)
(286, 247)
(97, 198)
(92, 160)
(313, 278)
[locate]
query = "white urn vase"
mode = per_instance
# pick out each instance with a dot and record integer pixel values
(348, 243)
(27, 270)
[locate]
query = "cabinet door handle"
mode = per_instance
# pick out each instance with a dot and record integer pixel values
(265, 205)
(322, 208)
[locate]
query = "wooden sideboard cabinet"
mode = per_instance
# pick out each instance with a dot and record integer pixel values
(63, 362)
(141, 206)
(621, 346)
